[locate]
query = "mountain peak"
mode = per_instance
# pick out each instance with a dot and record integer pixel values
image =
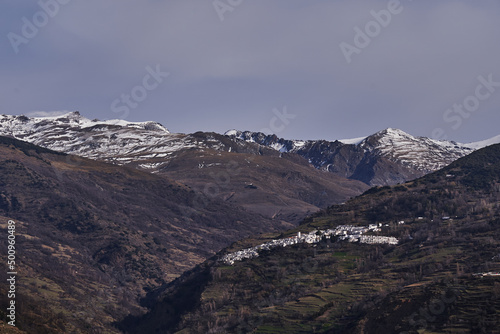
(386, 137)
(24, 123)
(232, 133)
(53, 116)
(74, 114)
(393, 132)
(73, 133)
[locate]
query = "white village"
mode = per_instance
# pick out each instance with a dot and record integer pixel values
(343, 232)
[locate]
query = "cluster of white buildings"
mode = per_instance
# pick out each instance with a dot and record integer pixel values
(496, 274)
(343, 232)
(375, 239)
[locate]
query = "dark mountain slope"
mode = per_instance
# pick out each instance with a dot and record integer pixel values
(425, 283)
(278, 186)
(93, 237)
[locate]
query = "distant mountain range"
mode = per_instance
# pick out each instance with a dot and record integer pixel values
(387, 157)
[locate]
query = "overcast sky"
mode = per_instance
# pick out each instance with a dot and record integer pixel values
(239, 63)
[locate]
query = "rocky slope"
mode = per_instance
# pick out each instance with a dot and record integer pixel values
(390, 156)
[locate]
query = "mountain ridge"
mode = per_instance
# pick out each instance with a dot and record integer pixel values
(388, 156)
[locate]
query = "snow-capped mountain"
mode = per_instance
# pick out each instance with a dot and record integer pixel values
(389, 156)
(483, 143)
(420, 153)
(386, 157)
(114, 141)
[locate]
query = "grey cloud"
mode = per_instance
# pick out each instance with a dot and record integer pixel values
(264, 55)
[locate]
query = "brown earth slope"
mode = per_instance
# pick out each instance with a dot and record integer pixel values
(93, 237)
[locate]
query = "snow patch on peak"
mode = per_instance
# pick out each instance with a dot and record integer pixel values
(419, 153)
(232, 132)
(483, 143)
(149, 126)
(115, 140)
(392, 132)
(73, 119)
(352, 141)
(51, 114)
